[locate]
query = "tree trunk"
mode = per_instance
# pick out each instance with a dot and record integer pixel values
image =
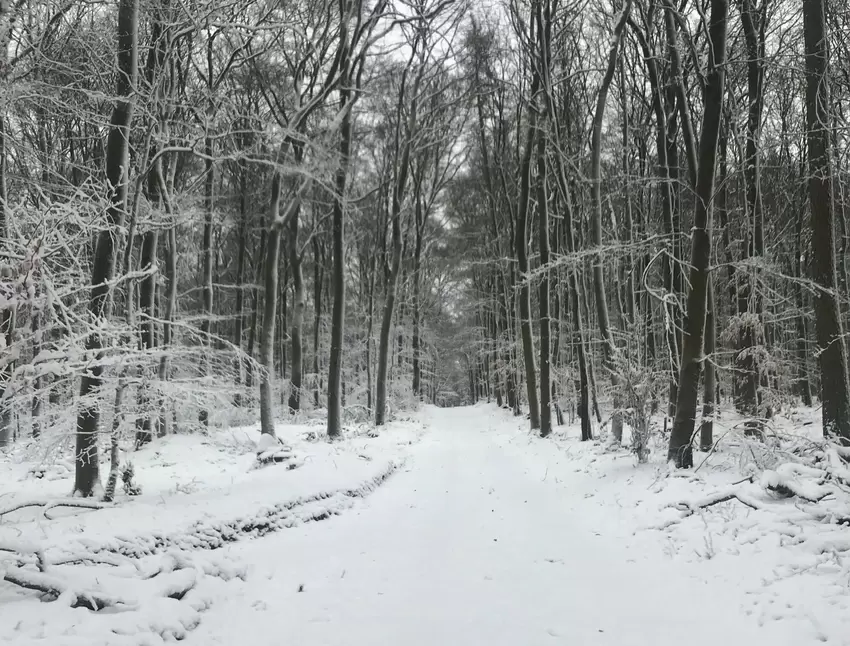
(87, 462)
(255, 309)
(543, 293)
(416, 306)
(207, 255)
(669, 269)
(239, 322)
(832, 352)
(609, 346)
(270, 282)
(37, 396)
(6, 315)
(749, 302)
(706, 432)
(680, 449)
(804, 388)
(521, 250)
(338, 312)
(299, 305)
(170, 298)
(147, 329)
(318, 279)
(386, 321)
(400, 184)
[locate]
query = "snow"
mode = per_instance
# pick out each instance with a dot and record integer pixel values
(455, 526)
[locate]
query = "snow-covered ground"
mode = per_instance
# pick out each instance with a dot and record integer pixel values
(454, 527)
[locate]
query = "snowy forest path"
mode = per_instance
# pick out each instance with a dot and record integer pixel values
(469, 544)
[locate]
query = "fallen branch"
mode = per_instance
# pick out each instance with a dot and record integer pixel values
(46, 584)
(689, 508)
(81, 503)
(792, 479)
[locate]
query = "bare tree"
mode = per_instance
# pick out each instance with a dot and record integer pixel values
(87, 460)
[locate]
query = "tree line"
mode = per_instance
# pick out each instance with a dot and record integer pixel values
(576, 208)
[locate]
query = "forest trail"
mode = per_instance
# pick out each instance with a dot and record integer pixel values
(470, 544)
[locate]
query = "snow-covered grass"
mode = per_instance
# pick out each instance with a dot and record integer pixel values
(140, 557)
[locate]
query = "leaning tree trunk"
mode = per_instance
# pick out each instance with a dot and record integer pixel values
(609, 346)
(832, 353)
(680, 449)
(87, 465)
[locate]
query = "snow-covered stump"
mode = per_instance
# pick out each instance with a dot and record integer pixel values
(271, 450)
